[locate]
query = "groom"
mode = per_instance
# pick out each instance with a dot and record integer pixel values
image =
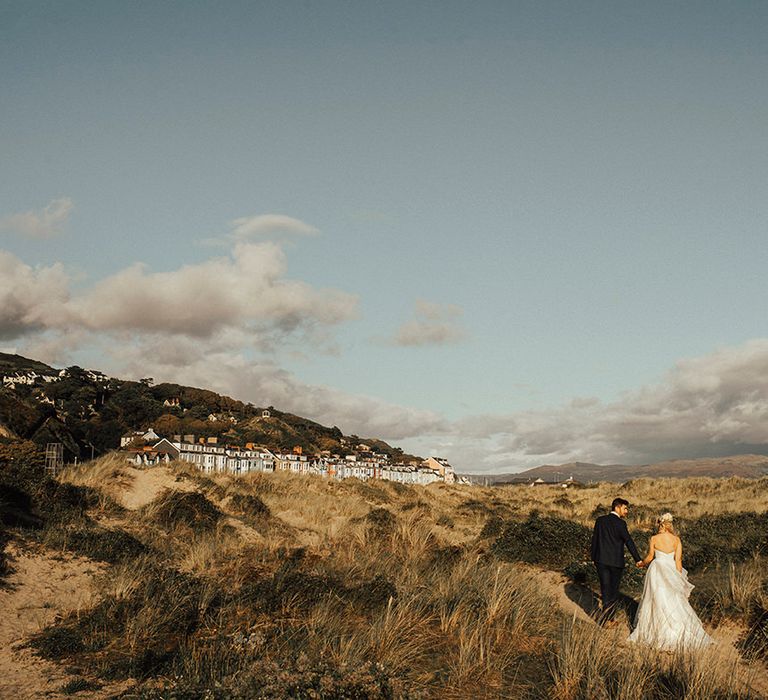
(608, 540)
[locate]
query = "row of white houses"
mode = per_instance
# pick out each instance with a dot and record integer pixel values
(211, 457)
(30, 377)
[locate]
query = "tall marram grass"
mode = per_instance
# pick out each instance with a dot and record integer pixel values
(280, 585)
(109, 475)
(592, 663)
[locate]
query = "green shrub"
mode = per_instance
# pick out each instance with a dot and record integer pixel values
(189, 508)
(22, 473)
(296, 678)
(381, 523)
(754, 643)
(446, 557)
(5, 567)
(63, 502)
(170, 606)
(545, 540)
(58, 642)
(420, 505)
(305, 589)
(90, 540)
(371, 595)
(370, 491)
(641, 513)
(563, 501)
(77, 685)
(492, 527)
(210, 486)
(718, 539)
(398, 488)
(247, 504)
(22, 464)
(475, 506)
(31, 499)
(16, 507)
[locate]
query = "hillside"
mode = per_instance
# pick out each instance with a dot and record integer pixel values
(16, 363)
(88, 412)
(745, 466)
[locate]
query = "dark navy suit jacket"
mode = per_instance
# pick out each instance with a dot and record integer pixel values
(608, 540)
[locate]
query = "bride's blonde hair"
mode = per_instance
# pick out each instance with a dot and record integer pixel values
(664, 522)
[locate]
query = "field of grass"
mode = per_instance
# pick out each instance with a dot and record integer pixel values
(287, 586)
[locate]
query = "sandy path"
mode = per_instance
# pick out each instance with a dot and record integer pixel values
(147, 484)
(576, 600)
(42, 586)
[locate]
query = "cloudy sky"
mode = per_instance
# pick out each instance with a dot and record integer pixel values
(508, 233)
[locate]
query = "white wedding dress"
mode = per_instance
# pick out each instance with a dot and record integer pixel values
(665, 619)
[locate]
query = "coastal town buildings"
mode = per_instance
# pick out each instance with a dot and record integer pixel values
(211, 456)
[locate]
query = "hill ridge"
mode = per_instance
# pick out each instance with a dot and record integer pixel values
(745, 465)
(88, 413)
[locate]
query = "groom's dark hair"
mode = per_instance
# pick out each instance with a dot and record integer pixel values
(619, 502)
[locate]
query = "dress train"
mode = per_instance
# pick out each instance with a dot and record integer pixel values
(665, 619)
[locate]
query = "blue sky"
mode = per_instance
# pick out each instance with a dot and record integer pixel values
(509, 233)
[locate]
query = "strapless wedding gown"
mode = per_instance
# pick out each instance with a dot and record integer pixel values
(665, 619)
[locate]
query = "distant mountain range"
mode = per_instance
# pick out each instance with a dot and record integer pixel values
(88, 412)
(748, 466)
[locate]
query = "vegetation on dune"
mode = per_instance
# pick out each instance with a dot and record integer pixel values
(99, 543)
(5, 566)
(249, 505)
(191, 509)
(722, 538)
(374, 590)
(55, 512)
(541, 539)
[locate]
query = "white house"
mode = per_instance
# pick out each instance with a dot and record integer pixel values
(149, 456)
(147, 436)
(211, 456)
(442, 467)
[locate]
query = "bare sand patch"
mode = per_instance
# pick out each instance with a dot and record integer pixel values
(42, 586)
(148, 484)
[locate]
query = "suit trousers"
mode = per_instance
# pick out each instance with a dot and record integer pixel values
(610, 578)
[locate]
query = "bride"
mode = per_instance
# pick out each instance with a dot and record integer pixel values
(665, 619)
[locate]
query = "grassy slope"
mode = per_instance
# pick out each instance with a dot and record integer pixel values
(285, 586)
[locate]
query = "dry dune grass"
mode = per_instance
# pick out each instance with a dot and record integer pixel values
(280, 585)
(109, 475)
(587, 656)
(692, 497)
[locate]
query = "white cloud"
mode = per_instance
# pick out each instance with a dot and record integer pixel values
(246, 291)
(44, 223)
(433, 324)
(31, 299)
(708, 406)
(269, 224)
(58, 348)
